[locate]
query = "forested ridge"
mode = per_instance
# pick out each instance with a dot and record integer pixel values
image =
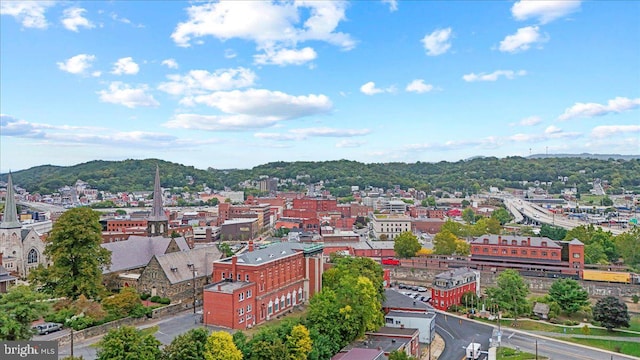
(466, 175)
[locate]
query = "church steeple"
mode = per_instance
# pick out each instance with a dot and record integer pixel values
(158, 222)
(10, 216)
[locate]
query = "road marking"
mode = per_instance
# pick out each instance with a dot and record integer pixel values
(446, 332)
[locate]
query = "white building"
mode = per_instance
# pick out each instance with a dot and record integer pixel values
(390, 225)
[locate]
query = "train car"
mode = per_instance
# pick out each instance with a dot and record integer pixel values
(390, 261)
(607, 276)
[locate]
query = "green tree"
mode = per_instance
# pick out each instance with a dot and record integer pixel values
(351, 267)
(628, 244)
(78, 259)
(594, 254)
(510, 293)
(220, 346)
(406, 245)
(187, 346)
(569, 295)
(553, 232)
(126, 343)
(456, 228)
(469, 299)
(225, 249)
(329, 327)
(444, 243)
(468, 215)
(485, 226)
(400, 355)
(611, 312)
(502, 215)
(19, 307)
(299, 343)
(606, 201)
(123, 303)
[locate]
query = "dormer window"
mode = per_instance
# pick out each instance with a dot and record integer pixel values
(514, 242)
(544, 243)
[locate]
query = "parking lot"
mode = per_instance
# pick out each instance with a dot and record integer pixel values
(415, 292)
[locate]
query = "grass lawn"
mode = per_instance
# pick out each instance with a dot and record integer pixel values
(635, 323)
(505, 353)
(588, 199)
(623, 347)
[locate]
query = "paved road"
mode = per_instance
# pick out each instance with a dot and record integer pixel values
(459, 332)
(168, 329)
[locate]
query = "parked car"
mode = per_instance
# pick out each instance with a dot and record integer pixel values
(44, 329)
(422, 289)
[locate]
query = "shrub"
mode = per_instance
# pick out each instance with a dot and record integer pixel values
(144, 296)
(586, 330)
(140, 310)
(570, 323)
(155, 299)
(60, 316)
(635, 298)
(164, 301)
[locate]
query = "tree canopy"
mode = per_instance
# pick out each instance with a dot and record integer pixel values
(77, 258)
(19, 307)
(510, 294)
(406, 245)
(220, 346)
(611, 312)
(127, 342)
(569, 295)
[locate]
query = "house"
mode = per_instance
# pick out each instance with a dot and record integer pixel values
(387, 339)
(449, 286)
(424, 322)
(257, 285)
(179, 276)
(5, 278)
(541, 310)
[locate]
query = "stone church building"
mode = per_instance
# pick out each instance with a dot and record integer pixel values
(22, 249)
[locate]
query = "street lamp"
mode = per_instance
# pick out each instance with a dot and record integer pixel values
(194, 273)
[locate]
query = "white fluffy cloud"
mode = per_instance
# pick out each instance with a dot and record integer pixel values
(606, 131)
(250, 109)
(438, 42)
(530, 121)
(617, 105)
(170, 63)
(371, 89)
(507, 74)
(418, 86)
(301, 134)
(543, 10)
(127, 95)
(125, 66)
(29, 13)
(286, 56)
(348, 143)
(393, 4)
(522, 39)
(551, 132)
(78, 64)
(201, 81)
(73, 19)
(271, 25)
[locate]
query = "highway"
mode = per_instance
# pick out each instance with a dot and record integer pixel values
(520, 207)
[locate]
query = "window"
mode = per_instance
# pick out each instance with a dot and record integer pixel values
(486, 250)
(544, 243)
(241, 310)
(544, 253)
(523, 252)
(504, 251)
(514, 242)
(554, 254)
(249, 308)
(222, 276)
(241, 320)
(524, 243)
(277, 307)
(241, 296)
(32, 258)
(246, 277)
(576, 255)
(239, 277)
(494, 250)
(270, 309)
(248, 293)
(534, 252)
(476, 249)
(388, 320)
(514, 252)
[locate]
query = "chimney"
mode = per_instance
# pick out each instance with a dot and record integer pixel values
(250, 245)
(219, 287)
(528, 241)
(499, 239)
(1, 255)
(234, 261)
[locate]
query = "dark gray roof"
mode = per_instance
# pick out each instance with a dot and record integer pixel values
(270, 253)
(176, 264)
(409, 314)
(453, 278)
(137, 251)
(576, 242)
(397, 300)
(534, 241)
(10, 216)
(541, 308)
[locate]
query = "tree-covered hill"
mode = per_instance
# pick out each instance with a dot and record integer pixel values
(465, 175)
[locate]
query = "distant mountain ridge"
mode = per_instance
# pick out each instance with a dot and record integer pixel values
(466, 176)
(585, 156)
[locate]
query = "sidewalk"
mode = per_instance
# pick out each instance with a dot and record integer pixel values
(437, 347)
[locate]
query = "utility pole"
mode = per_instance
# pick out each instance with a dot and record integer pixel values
(536, 349)
(194, 273)
(72, 342)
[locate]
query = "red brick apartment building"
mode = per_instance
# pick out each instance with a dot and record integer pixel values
(449, 286)
(253, 287)
(528, 250)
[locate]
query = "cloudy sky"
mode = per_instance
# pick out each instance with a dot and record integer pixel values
(238, 84)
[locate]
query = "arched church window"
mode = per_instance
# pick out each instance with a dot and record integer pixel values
(32, 258)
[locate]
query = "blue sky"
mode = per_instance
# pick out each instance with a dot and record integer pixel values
(238, 84)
